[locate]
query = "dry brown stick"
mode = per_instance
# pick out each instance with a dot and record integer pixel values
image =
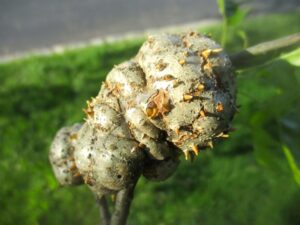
(263, 52)
(122, 206)
(104, 211)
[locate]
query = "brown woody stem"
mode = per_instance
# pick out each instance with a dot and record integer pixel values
(263, 52)
(122, 206)
(104, 211)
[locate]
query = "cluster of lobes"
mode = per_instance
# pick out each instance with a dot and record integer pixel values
(176, 96)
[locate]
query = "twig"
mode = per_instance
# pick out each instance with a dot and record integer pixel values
(104, 211)
(263, 52)
(122, 206)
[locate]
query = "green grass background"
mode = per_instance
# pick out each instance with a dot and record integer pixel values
(244, 180)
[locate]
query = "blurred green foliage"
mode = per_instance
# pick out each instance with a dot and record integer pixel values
(233, 15)
(244, 180)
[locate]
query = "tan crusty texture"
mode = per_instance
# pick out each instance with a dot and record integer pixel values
(176, 96)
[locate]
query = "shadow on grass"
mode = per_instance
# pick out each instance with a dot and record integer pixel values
(25, 100)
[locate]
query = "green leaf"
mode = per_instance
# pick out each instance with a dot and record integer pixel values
(231, 8)
(231, 12)
(292, 57)
(232, 15)
(242, 34)
(291, 161)
(236, 17)
(221, 6)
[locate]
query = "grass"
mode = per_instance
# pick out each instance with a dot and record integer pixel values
(244, 180)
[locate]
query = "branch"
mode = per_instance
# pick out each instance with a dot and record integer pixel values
(104, 211)
(263, 52)
(122, 206)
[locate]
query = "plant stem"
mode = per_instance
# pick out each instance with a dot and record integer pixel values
(122, 206)
(224, 32)
(104, 211)
(264, 52)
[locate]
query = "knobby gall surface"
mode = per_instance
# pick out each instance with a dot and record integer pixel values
(177, 96)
